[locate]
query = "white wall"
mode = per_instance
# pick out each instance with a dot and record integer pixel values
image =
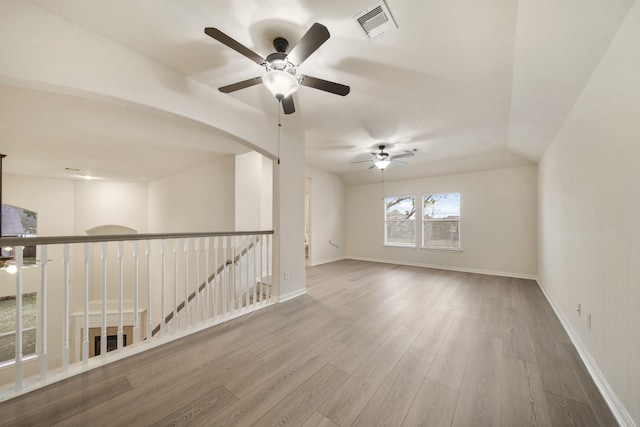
(498, 222)
(200, 199)
(266, 209)
(589, 244)
(254, 183)
(327, 215)
(288, 215)
(52, 199)
(110, 203)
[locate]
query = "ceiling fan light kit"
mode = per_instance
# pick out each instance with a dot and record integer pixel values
(281, 67)
(382, 164)
(280, 83)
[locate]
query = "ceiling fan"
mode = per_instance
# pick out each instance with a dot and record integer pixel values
(281, 77)
(381, 160)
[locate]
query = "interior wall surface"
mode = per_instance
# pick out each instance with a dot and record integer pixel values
(327, 215)
(199, 199)
(589, 228)
(498, 222)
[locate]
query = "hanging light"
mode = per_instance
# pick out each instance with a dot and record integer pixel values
(280, 83)
(381, 164)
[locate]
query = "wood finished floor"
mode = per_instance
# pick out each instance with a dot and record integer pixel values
(369, 345)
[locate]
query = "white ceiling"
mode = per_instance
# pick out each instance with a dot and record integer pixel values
(469, 84)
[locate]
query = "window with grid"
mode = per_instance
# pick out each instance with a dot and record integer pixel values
(441, 221)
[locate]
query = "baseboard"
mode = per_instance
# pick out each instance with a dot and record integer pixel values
(325, 261)
(446, 267)
(617, 408)
(292, 295)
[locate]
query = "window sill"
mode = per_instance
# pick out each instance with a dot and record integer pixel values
(387, 245)
(12, 362)
(442, 249)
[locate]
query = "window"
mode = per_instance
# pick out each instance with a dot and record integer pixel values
(8, 327)
(441, 221)
(400, 221)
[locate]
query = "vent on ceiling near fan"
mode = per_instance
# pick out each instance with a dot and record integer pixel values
(376, 20)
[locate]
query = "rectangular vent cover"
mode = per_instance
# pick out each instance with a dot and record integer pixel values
(376, 20)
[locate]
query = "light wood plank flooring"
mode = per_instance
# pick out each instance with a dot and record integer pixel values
(370, 344)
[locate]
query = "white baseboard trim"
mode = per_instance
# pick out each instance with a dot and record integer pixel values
(619, 412)
(446, 267)
(325, 261)
(292, 295)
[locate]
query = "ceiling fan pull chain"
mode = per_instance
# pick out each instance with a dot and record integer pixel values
(279, 126)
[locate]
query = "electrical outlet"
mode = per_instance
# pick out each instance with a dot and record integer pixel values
(589, 320)
(286, 275)
(579, 310)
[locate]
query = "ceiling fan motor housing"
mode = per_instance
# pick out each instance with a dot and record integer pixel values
(280, 44)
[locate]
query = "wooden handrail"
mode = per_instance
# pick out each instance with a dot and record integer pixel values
(52, 240)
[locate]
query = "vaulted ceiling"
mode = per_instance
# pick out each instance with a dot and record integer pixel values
(466, 84)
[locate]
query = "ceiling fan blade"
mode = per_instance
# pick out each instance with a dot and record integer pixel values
(325, 85)
(309, 43)
(238, 47)
(372, 166)
(398, 161)
(240, 85)
(361, 161)
(287, 105)
(402, 156)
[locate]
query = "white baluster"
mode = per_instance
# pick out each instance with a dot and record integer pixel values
(255, 240)
(225, 276)
(120, 296)
(261, 269)
(239, 271)
(85, 332)
(207, 307)
(216, 278)
(65, 319)
(43, 314)
(103, 337)
(163, 325)
(174, 320)
(233, 270)
(18, 361)
(247, 276)
(136, 317)
(269, 269)
(149, 324)
(197, 311)
(186, 282)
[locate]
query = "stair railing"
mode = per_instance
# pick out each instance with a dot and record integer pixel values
(96, 294)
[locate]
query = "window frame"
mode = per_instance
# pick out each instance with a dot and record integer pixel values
(424, 243)
(412, 245)
(35, 328)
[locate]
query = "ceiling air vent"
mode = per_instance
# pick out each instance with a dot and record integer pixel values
(376, 20)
